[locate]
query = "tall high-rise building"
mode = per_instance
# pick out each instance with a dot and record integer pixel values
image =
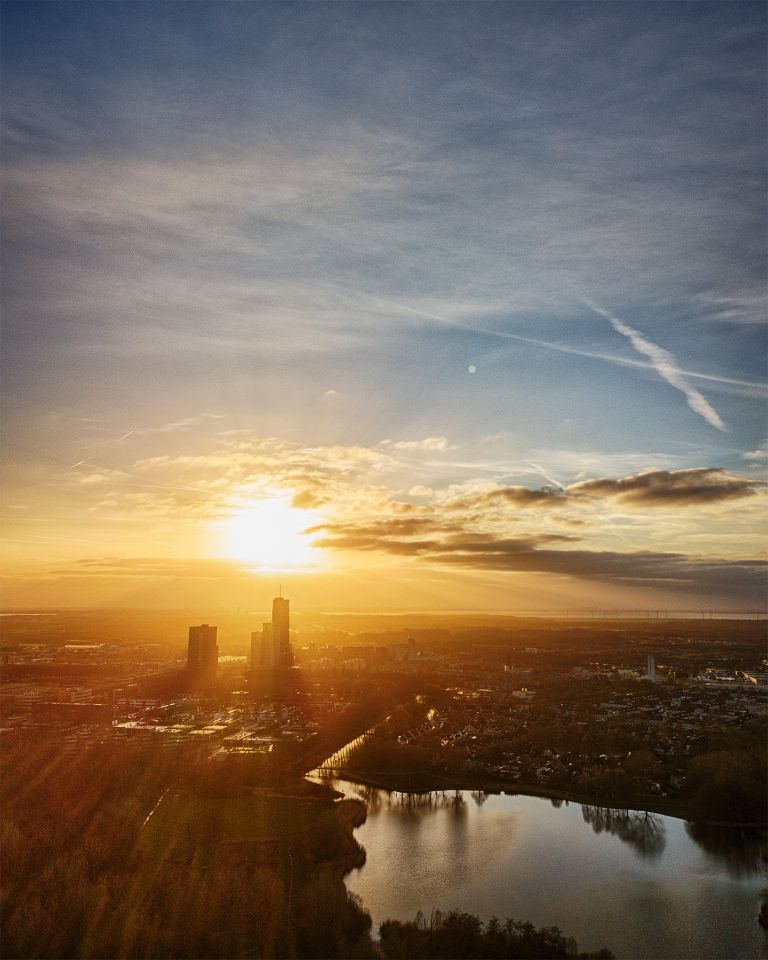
(265, 654)
(281, 630)
(202, 651)
(256, 663)
(271, 648)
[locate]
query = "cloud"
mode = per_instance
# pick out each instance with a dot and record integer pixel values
(734, 308)
(391, 527)
(99, 478)
(651, 488)
(409, 540)
(252, 226)
(470, 529)
(670, 488)
(174, 426)
(742, 579)
(202, 486)
(522, 496)
(581, 464)
(512, 496)
(307, 500)
(760, 454)
(284, 222)
(152, 568)
(432, 444)
(361, 483)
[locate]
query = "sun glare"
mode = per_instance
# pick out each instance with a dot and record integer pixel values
(269, 534)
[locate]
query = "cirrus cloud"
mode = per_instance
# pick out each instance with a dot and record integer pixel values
(431, 444)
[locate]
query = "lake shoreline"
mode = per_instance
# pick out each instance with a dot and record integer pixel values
(678, 808)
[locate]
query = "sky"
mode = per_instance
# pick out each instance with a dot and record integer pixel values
(406, 306)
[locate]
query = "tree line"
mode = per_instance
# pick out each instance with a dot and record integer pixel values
(463, 935)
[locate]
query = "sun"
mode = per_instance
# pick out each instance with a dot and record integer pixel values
(269, 534)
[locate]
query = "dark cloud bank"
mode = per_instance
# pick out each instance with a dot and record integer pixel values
(698, 486)
(436, 540)
(740, 580)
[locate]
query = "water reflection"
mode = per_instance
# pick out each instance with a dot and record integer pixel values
(371, 796)
(666, 890)
(743, 853)
(434, 800)
(644, 832)
(458, 813)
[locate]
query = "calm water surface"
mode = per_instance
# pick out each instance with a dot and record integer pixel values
(641, 884)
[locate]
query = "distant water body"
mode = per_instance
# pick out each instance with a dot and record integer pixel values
(574, 615)
(644, 885)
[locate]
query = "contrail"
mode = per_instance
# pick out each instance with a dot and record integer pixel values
(540, 470)
(754, 387)
(125, 436)
(79, 462)
(661, 360)
(666, 366)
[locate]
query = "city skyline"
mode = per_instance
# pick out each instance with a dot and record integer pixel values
(410, 306)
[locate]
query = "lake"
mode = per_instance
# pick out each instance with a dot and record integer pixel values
(644, 885)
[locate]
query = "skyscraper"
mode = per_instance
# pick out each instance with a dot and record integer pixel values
(203, 651)
(281, 630)
(256, 663)
(265, 654)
